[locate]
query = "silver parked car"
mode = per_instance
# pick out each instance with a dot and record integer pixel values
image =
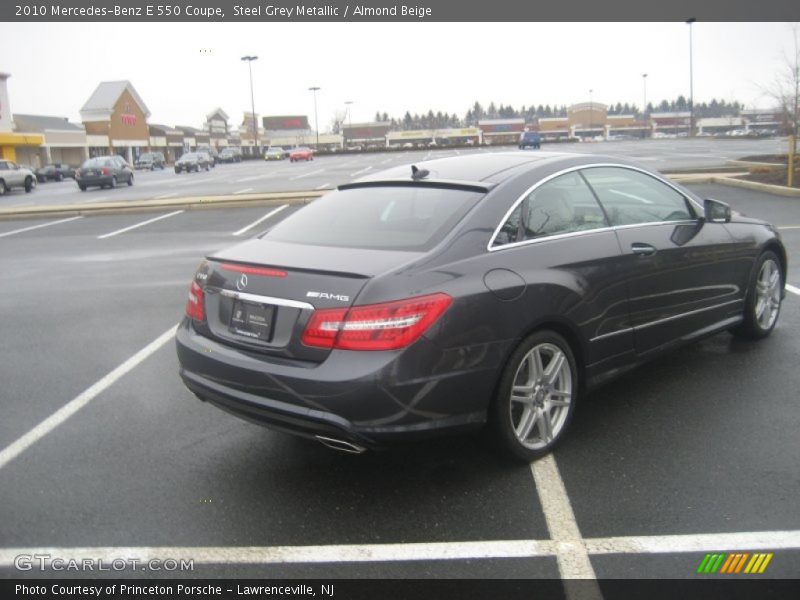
(12, 175)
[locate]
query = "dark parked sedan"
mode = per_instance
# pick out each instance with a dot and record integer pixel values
(470, 291)
(193, 161)
(54, 172)
(103, 171)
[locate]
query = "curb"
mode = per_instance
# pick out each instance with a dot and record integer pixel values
(189, 202)
(778, 190)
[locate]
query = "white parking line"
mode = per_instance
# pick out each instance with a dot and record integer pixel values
(306, 174)
(461, 550)
(794, 290)
(137, 225)
(702, 542)
(162, 196)
(254, 177)
(361, 171)
(31, 228)
(571, 554)
(789, 227)
(256, 222)
(70, 408)
(244, 191)
(323, 186)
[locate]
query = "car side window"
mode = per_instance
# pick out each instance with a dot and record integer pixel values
(3, 165)
(630, 197)
(562, 205)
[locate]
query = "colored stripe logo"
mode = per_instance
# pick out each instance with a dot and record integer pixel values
(735, 563)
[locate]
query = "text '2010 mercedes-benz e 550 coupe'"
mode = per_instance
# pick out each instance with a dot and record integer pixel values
(468, 292)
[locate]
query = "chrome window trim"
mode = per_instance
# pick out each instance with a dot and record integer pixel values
(491, 248)
(266, 299)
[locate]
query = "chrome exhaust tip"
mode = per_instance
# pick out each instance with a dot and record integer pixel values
(340, 445)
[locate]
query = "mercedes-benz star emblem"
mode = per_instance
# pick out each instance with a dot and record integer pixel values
(241, 283)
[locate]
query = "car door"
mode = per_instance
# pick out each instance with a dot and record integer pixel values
(680, 268)
(557, 239)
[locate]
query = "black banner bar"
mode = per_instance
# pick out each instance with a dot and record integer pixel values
(388, 11)
(418, 589)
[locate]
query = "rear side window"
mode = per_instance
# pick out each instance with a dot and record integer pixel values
(563, 205)
(393, 217)
(630, 197)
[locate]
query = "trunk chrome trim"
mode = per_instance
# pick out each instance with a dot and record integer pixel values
(266, 299)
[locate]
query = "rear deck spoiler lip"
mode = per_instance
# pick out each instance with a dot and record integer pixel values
(469, 186)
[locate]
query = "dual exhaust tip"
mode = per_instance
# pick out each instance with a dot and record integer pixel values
(340, 445)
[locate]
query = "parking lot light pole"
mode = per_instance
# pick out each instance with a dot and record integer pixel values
(316, 120)
(591, 124)
(691, 79)
(250, 60)
(644, 104)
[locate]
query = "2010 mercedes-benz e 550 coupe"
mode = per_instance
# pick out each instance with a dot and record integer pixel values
(470, 291)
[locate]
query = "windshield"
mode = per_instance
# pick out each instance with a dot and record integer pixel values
(392, 217)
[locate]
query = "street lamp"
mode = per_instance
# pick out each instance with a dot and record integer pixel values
(591, 124)
(316, 121)
(691, 79)
(644, 104)
(250, 60)
(349, 116)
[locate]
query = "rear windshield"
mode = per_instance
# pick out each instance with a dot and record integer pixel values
(97, 162)
(394, 218)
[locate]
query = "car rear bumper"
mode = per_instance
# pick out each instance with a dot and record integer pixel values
(368, 398)
(92, 181)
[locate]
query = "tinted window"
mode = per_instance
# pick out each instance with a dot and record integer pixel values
(630, 197)
(3, 165)
(563, 205)
(392, 217)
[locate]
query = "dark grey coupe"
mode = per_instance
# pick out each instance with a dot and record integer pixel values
(486, 290)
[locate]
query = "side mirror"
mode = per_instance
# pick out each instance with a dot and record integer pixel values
(716, 211)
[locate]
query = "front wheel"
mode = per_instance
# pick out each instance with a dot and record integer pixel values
(536, 396)
(29, 184)
(130, 180)
(763, 302)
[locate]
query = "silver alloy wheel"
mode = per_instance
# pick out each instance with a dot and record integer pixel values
(768, 294)
(541, 394)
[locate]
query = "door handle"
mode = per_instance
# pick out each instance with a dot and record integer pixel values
(643, 249)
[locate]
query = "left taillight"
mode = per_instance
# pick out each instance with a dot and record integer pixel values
(385, 326)
(194, 304)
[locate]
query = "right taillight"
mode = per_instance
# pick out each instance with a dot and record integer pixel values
(385, 326)
(194, 305)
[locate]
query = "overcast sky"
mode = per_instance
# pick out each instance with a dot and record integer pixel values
(183, 71)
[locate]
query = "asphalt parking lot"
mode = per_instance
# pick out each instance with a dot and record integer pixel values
(104, 453)
(326, 172)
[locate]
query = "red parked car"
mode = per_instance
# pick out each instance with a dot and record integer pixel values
(301, 153)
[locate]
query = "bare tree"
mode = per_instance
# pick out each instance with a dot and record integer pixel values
(337, 121)
(785, 90)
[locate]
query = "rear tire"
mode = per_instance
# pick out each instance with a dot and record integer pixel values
(763, 302)
(29, 185)
(130, 180)
(536, 397)
(2, 187)
(83, 187)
